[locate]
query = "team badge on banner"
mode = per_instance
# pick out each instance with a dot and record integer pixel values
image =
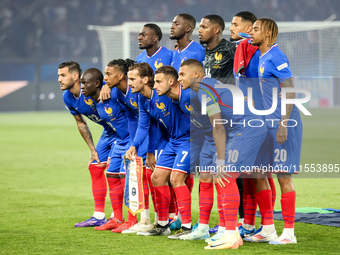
(134, 192)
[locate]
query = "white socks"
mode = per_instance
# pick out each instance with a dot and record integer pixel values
(248, 227)
(229, 232)
(145, 214)
(99, 215)
(221, 229)
(288, 231)
(268, 228)
(187, 225)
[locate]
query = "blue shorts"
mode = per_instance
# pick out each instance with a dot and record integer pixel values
(282, 158)
(241, 152)
(116, 157)
(197, 140)
(104, 146)
(143, 149)
(176, 156)
(159, 149)
(208, 155)
(263, 156)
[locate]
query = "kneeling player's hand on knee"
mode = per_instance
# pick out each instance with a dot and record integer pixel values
(220, 178)
(220, 174)
(94, 157)
(131, 153)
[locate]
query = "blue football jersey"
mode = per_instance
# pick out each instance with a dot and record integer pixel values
(192, 50)
(129, 103)
(274, 69)
(222, 100)
(161, 57)
(191, 106)
(113, 114)
(165, 112)
(85, 106)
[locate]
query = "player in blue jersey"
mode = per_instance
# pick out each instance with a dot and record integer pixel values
(238, 154)
(218, 64)
(129, 101)
(166, 83)
(69, 78)
(154, 54)
(174, 163)
(283, 143)
(246, 76)
(113, 113)
(181, 30)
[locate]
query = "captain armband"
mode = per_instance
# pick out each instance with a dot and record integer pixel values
(213, 109)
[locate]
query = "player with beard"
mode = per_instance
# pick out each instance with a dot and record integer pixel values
(166, 83)
(148, 40)
(242, 22)
(173, 164)
(181, 30)
(69, 73)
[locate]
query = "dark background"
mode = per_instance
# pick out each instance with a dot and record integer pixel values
(37, 35)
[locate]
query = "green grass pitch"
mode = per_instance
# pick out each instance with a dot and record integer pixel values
(45, 189)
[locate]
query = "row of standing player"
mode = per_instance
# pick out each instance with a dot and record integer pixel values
(211, 21)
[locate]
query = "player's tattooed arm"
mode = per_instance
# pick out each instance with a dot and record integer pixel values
(282, 132)
(105, 93)
(85, 132)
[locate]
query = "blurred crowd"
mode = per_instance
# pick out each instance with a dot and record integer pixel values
(57, 29)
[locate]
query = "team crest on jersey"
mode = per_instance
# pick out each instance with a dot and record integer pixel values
(161, 106)
(218, 58)
(261, 69)
(109, 111)
(191, 110)
(134, 104)
(185, 58)
(158, 64)
(90, 103)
